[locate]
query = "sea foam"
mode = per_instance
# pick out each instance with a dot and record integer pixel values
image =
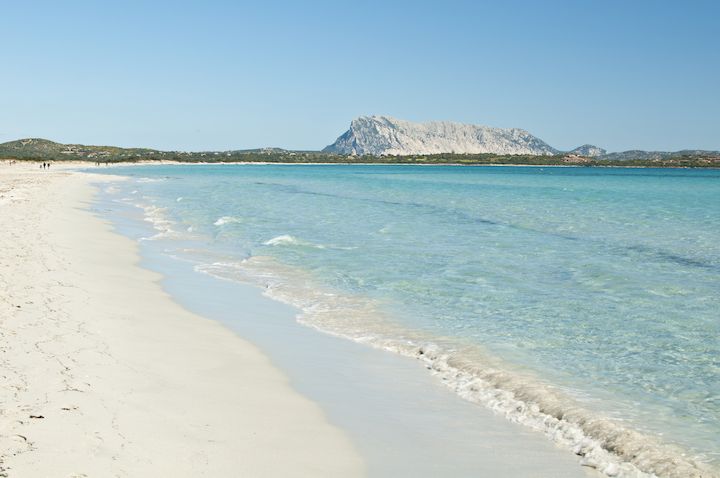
(157, 216)
(288, 240)
(150, 180)
(226, 220)
(604, 444)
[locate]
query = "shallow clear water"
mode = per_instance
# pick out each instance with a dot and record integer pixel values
(603, 284)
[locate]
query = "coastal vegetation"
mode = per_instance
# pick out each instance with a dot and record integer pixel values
(45, 150)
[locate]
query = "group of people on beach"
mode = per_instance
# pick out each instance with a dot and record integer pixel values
(45, 166)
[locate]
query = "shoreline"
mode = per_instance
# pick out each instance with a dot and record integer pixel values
(85, 204)
(106, 374)
(402, 418)
(582, 431)
(559, 420)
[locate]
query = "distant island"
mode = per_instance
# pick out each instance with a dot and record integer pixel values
(386, 140)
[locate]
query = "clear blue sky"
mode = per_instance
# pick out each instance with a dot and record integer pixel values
(230, 74)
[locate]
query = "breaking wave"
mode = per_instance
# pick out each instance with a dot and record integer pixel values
(226, 220)
(150, 180)
(158, 218)
(288, 240)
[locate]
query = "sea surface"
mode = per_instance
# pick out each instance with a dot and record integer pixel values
(583, 303)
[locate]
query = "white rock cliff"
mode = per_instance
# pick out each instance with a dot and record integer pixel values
(377, 135)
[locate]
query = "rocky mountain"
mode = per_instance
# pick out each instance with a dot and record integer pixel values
(383, 135)
(588, 151)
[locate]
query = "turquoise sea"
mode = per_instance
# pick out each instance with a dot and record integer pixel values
(581, 302)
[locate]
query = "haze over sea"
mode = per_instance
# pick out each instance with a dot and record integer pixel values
(590, 291)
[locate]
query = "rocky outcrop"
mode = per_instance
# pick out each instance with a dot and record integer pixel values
(383, 135)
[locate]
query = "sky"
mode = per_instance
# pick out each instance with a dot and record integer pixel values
(220, 75)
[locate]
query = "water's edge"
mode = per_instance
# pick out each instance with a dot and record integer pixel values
(603, 444)
(378, 381)
(606, 445)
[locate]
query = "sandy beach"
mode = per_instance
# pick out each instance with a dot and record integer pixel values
(121, 359)
(104, 375)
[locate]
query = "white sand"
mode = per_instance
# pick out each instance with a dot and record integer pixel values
(123, 381)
